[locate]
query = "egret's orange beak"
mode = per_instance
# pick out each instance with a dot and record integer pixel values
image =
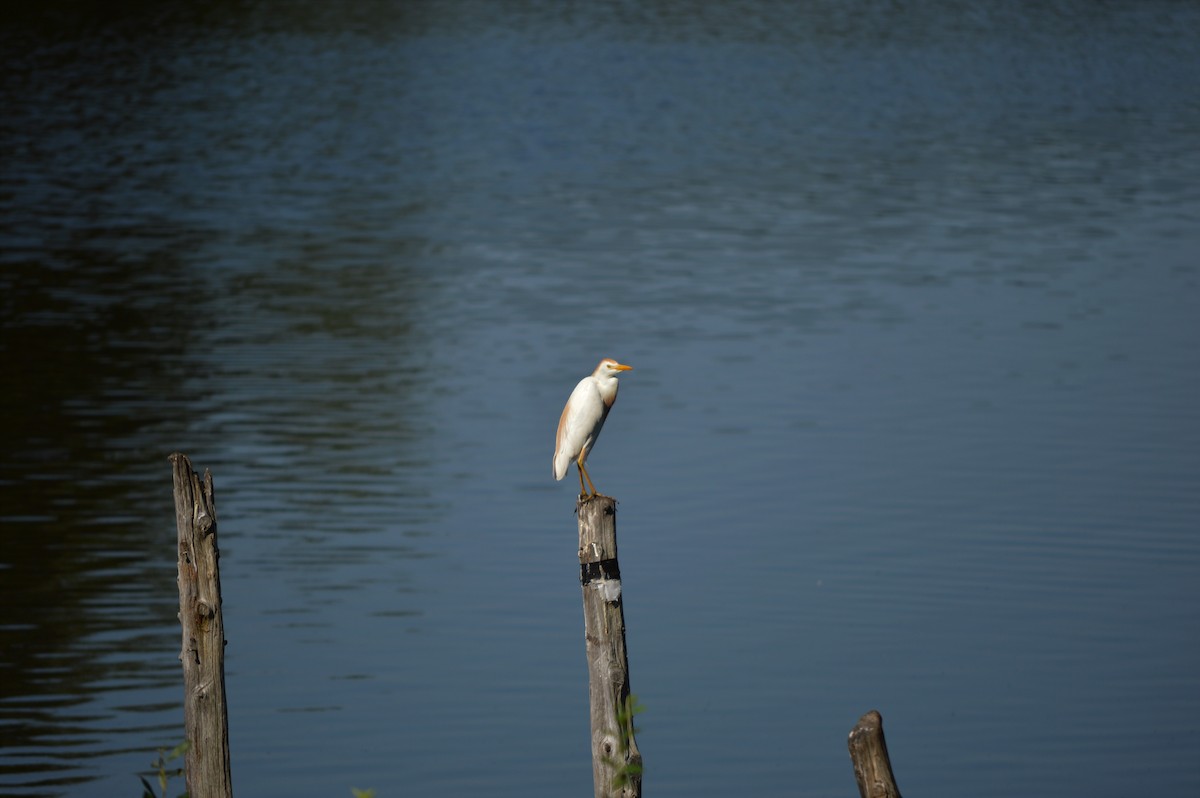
(622, 367)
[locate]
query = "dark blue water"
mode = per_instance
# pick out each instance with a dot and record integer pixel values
(911, 299)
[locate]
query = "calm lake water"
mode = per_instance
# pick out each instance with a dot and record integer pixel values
(913, 300)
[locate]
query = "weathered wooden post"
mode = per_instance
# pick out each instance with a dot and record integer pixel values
(616, 762)
(203, 654)
(868, 752)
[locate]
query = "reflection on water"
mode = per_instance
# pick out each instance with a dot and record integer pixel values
(910, 295)
(88, 360)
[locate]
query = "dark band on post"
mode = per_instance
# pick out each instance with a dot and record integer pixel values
(601, 569)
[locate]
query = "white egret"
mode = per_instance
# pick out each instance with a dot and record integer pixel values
(583, 417)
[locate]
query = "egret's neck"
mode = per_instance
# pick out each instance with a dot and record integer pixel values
(608, 388)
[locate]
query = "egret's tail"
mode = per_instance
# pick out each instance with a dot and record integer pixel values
(561, 463)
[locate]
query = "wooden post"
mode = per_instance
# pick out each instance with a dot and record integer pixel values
(616, 762)
(203, 654)
(868, 752)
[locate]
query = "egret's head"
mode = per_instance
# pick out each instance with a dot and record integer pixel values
(610, 368)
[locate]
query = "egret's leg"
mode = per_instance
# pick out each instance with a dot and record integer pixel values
(583, 474)
(582, 490)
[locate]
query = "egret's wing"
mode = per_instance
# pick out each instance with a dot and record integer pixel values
(581, 420)
(574, 426)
